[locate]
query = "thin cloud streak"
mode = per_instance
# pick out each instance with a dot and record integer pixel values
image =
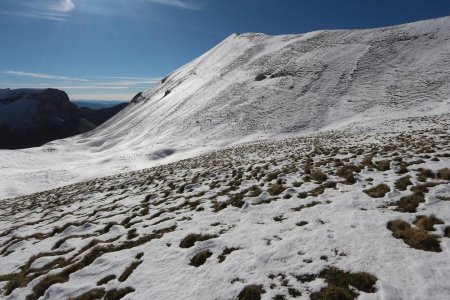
(155, 79)
(191, 5)
(92, 88)
(65, 87)
(47, 16)
(59, 10)
(102, 96)
(42, 9)
(42, 76)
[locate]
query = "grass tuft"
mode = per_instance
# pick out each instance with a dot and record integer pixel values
(116, 294)
(378, 191)
(91, 295)
(427, 222)
(192, 238)
(106, 279)
(383, 165)
(424, 174)
(340, 283)
(303, 206)
(200, 258)
(410, 203)
(301, 223)
(129, 270)
(402, 183)
(319, 176)
(251, 292)
(347, 172)
(415, 238)
(444, 174)
(447, 232)
(225, 252)
(276, 189)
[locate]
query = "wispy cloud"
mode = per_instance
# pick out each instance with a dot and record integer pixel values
(179, 3)
(102, 96)
(60, 10)
(43, 76)
(132, 80)
(100, 88)
(56, 10)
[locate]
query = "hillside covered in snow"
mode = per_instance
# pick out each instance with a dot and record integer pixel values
(310, 166)
(336, 215)
(251, 87)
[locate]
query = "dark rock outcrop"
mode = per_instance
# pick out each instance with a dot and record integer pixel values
(33, 117)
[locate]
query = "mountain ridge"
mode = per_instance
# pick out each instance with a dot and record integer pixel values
(253, 86)
(33, 117)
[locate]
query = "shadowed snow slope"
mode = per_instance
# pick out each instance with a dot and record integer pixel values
(249, 87)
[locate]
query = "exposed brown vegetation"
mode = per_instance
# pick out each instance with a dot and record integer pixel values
(303, 206)
(383, 165)
(339, 284)
(200, 258)
(91, 295)
(225, 252)
(251, 292)
(129, 270)
(444, 174)
(424, 174)
(402, 183)
(347, 172)
(276, 189)
(378, 191)
(319, 176)
(106, 279)
(116, 294)
(415, 238)
(427, 222)
(192, 238)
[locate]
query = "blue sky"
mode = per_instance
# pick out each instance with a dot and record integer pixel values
(112, 49)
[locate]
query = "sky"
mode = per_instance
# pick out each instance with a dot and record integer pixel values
(113, 49)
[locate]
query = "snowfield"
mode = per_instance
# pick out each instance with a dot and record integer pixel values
(252, 87)
(341, 214)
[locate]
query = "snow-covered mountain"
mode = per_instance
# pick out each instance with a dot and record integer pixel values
(254, 86)
(346, 198)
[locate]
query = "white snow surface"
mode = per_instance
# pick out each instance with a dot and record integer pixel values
(142, 217)
(316, 81)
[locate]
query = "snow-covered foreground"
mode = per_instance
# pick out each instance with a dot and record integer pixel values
(353, 213)
(252, 87)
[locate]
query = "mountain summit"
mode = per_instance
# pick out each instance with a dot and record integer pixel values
(268, 85)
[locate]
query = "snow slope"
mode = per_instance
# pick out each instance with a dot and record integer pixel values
(280, 216)
(319, 80)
